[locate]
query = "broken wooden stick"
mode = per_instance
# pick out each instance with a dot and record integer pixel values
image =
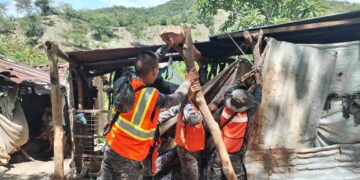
(188, 56)
(178, 37)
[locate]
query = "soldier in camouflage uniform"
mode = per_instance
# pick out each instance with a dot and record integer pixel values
(237, 157)
(114, 165)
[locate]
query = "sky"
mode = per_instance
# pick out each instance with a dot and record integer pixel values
(94, 4)
(91, 4)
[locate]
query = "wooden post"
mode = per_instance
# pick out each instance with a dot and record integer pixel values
(188, 57)
(71, 105)
(56, 104)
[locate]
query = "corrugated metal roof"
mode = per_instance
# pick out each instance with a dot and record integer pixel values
(22, 74)
(63, 69)
(327, 29)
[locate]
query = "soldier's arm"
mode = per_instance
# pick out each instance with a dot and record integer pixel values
(167, 101)
(167, 114)
(258, 90)
(236, 85)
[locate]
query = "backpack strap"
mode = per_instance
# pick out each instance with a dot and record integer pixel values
(113, 120)
(227, 122)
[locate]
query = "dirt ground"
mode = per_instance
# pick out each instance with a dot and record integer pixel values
(34, 170)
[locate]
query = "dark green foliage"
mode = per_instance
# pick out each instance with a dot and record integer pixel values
(172, 12)
(35, 29)
(253, 13)
(24, 6)
(2, 9)
(102, 27)
(44, 6)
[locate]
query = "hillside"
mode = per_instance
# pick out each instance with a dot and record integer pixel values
(111, 27)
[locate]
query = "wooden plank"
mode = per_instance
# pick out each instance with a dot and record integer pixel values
(56, 105)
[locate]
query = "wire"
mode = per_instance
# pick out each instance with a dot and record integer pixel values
(254, 67)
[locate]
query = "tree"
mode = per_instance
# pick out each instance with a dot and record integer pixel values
(24, 6)
(2, 9)
(251, 13)
(44, 6)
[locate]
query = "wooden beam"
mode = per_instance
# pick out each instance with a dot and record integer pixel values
(56, 105)
(188, 56)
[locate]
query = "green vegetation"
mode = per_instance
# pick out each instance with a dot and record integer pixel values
(76, 36)
(44, 6)
(21, 52)
(25, 6)
(250, 13)
(334, 6)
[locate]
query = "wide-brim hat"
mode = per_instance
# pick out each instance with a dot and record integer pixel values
(240, 100)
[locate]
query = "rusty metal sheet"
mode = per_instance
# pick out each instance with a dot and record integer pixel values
(346, 79)
(62, 68)
(295, 86)
(325, 163)
(22, 74)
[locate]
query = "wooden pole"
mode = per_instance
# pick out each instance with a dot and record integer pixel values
(56, 104)
(188, 57)
(71, 105)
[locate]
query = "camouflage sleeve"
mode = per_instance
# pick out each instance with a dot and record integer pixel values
(257, 95)
(161, 52)
(167, 114)
(166, 101)
(236, 85)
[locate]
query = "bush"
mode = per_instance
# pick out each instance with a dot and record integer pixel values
(104, 38)
(163, 22)
(101, 32)
(21, 52)
(35, 29)
(6, 27)
(77, 35)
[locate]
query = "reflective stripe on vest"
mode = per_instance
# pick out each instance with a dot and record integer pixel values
(239, 118)
(234, 131)
(133, 127)
(132, 134)
(192, 138)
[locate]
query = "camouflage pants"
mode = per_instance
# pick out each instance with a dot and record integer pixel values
(190, 164)
(115, 167)
(215, 163)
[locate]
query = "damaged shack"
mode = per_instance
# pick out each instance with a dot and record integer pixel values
(25, 106)
(307, 124)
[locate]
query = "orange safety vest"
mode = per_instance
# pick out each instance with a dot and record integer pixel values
(132, 134)
(192, 138)
(234, 131)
